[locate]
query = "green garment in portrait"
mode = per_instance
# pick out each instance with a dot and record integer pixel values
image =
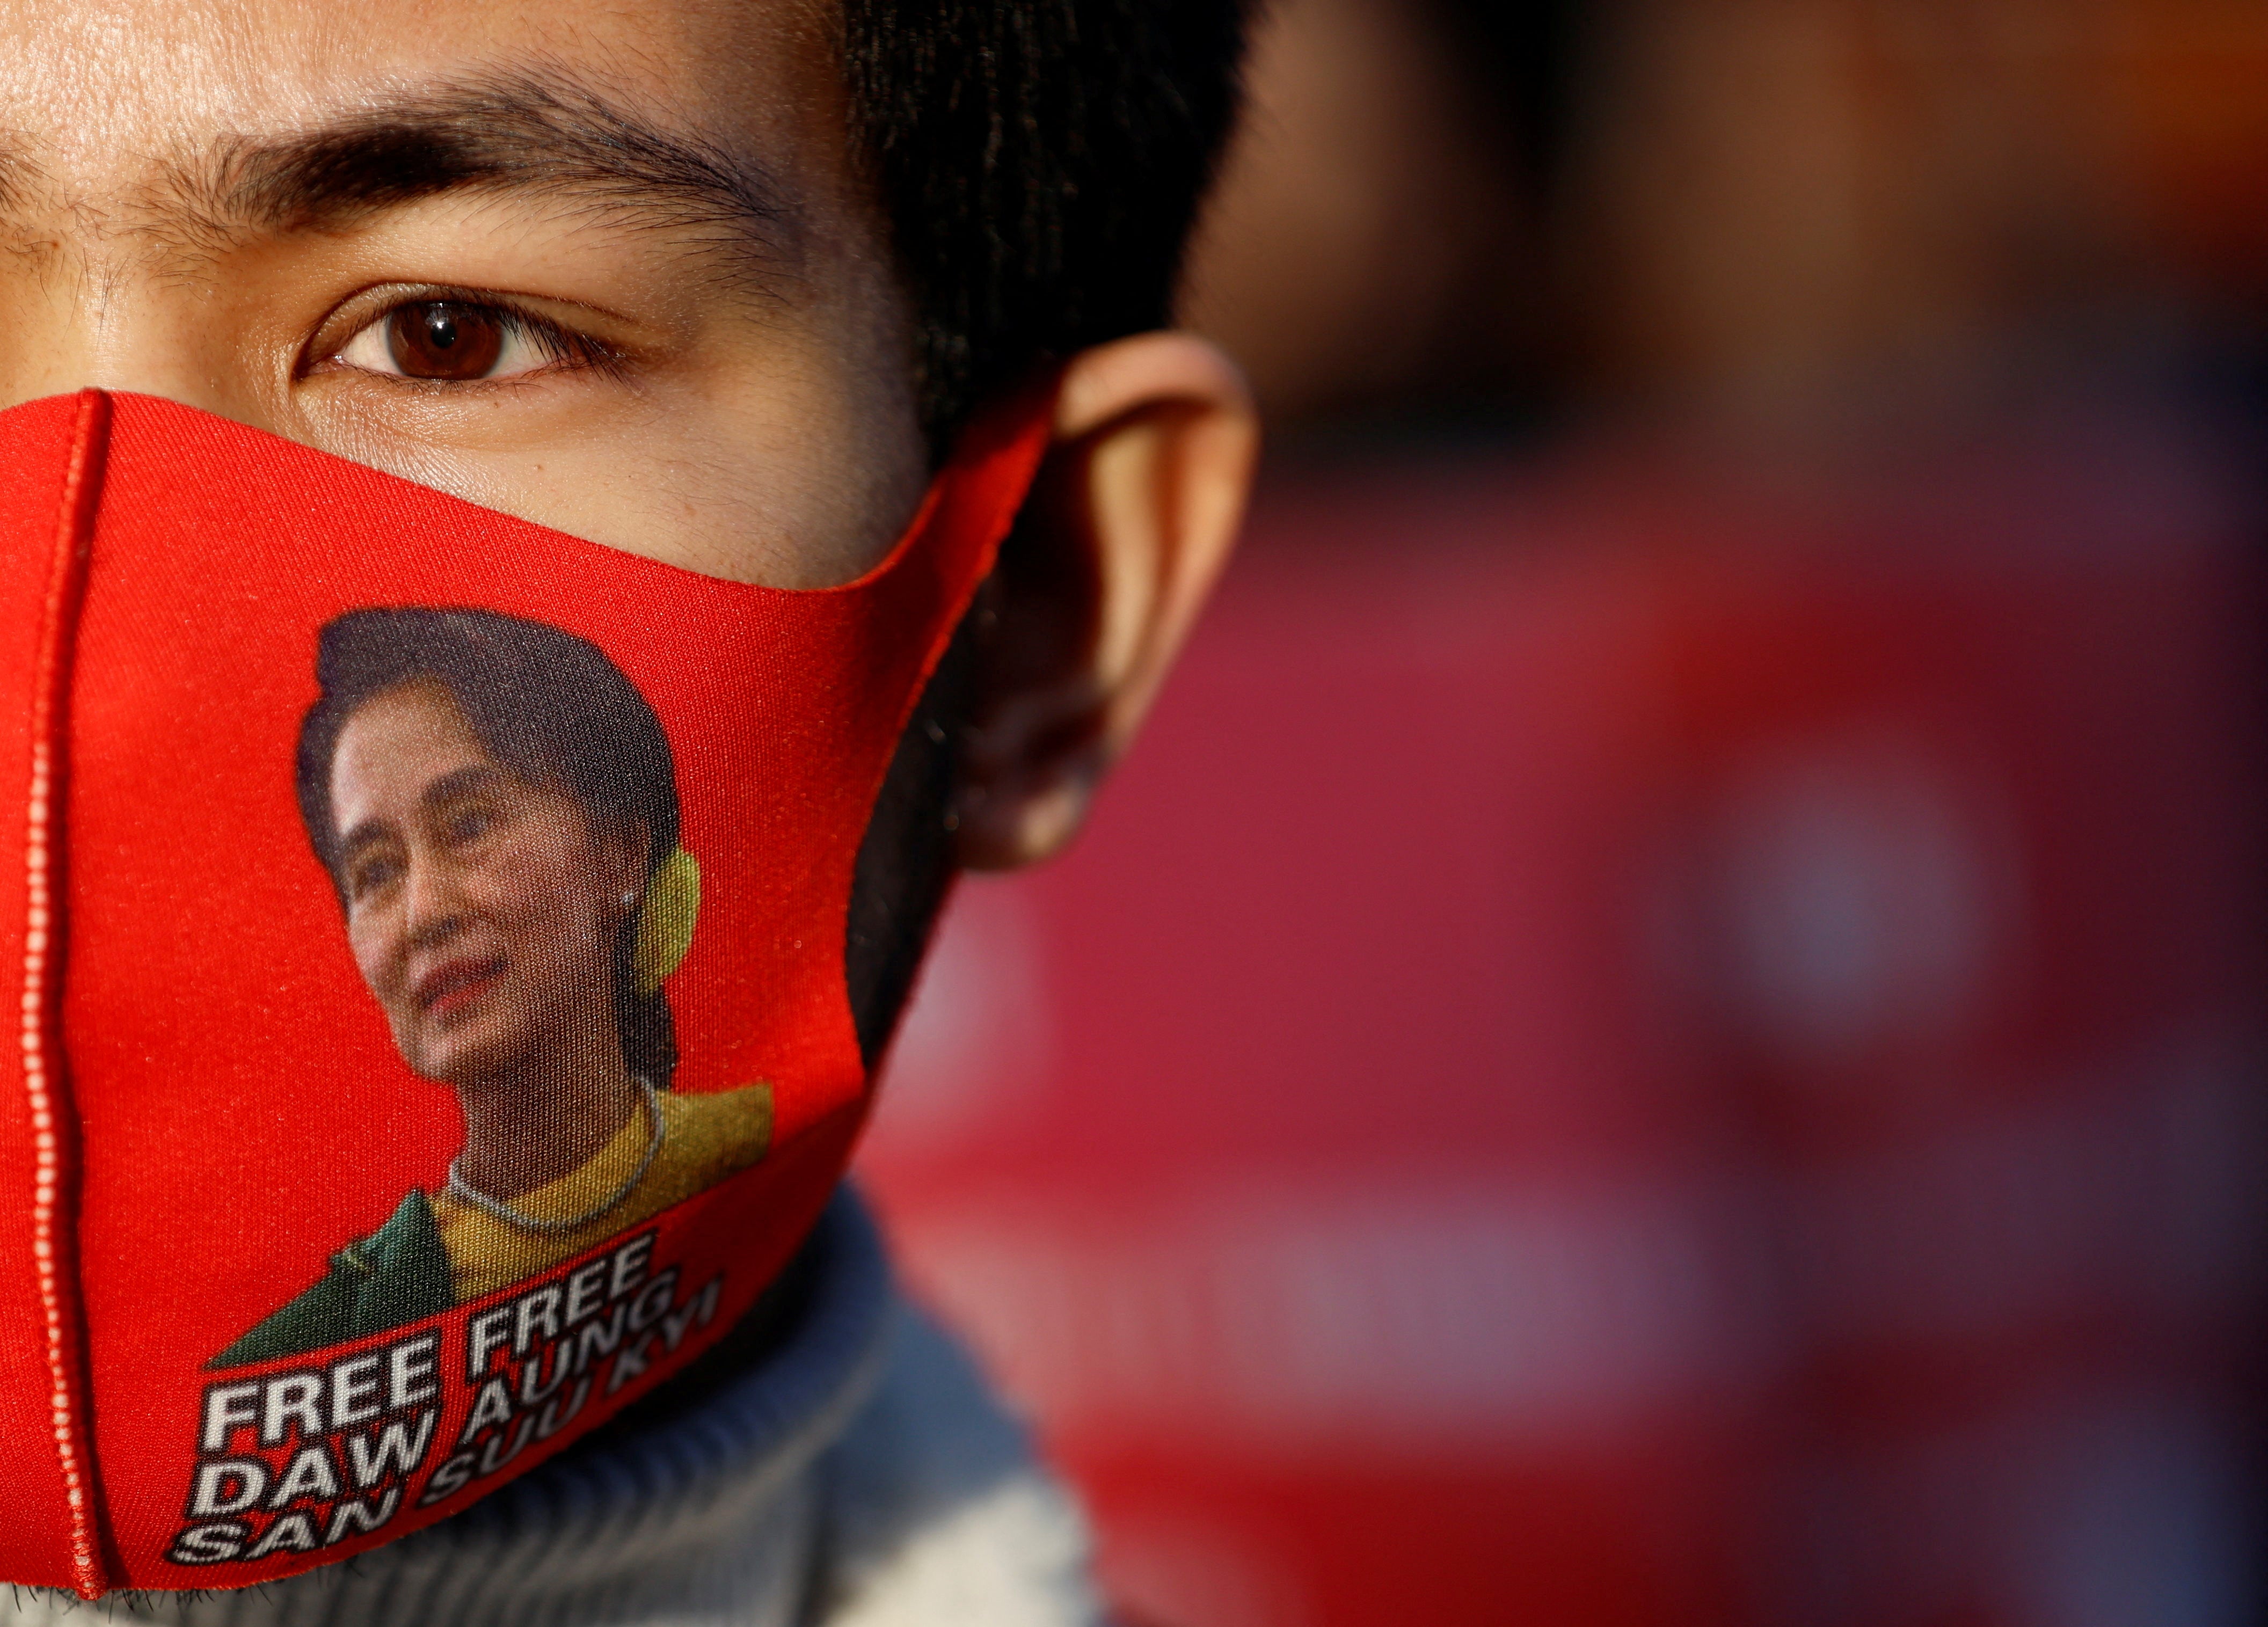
(396, 1274)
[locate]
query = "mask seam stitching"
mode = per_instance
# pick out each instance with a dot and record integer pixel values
(46, 1084)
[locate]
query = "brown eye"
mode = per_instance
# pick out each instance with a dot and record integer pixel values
(445, 339)
(470, 824)
(367, 875)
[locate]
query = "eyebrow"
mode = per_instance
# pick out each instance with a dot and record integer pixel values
(536, 135)
(21, 179)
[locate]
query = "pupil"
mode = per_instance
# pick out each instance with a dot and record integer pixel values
(441, 339)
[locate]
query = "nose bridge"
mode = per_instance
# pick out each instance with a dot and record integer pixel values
(432, 891)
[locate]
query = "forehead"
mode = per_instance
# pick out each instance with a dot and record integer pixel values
(102, 94)
(397, 740)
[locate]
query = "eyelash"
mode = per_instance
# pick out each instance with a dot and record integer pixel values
(562, 346)
(559, 343)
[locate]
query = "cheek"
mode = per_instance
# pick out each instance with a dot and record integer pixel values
(546, 890)
(372, 940)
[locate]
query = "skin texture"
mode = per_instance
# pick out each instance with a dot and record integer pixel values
(754, 419)
(482, 912)
(223, 201)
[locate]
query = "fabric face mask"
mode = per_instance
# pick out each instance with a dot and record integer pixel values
(427, 934)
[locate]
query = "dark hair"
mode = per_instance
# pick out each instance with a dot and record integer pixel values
(547, 706)
(1041, 162)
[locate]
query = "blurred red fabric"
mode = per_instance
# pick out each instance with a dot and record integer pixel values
(1640, 1044)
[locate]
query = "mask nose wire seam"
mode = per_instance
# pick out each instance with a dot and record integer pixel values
(46, 1082)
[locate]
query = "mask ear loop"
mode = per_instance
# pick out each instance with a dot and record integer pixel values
(994, 466)
(671, 905)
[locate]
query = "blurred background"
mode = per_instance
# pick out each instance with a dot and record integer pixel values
(1664, 1026)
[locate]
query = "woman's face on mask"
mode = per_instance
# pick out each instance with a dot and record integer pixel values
(483, 910)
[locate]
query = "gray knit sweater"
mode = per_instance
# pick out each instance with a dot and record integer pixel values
(858, 1476)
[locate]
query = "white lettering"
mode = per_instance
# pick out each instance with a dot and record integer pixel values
(538, 1311)
(630, 1261)
(531, 1388)
(311, 1475)
(653, 1301)
(598, 1338)
(228, 1408)
(703, 1309)
(631, 1363)
(492, 1405)
(410, 1372)
(554, 1420)
(361, 1516)
(395, 1449)
(354, 1390)
(450, 1478)
(293, 1531)
(491, 1331)
(587, 1290)
(209, 1544)
(227, 1488)
(496, 1455)
(296, 1398)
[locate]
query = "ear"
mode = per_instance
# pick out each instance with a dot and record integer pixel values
(624, 849)
(1132, 518)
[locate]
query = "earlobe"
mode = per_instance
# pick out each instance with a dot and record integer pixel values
(625, 852)
(1134, 515)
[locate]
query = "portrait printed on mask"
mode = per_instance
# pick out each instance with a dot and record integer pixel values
(495, 804)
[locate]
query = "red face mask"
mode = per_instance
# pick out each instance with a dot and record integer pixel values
(429, 932)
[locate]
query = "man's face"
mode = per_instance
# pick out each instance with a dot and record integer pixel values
(601, 266)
